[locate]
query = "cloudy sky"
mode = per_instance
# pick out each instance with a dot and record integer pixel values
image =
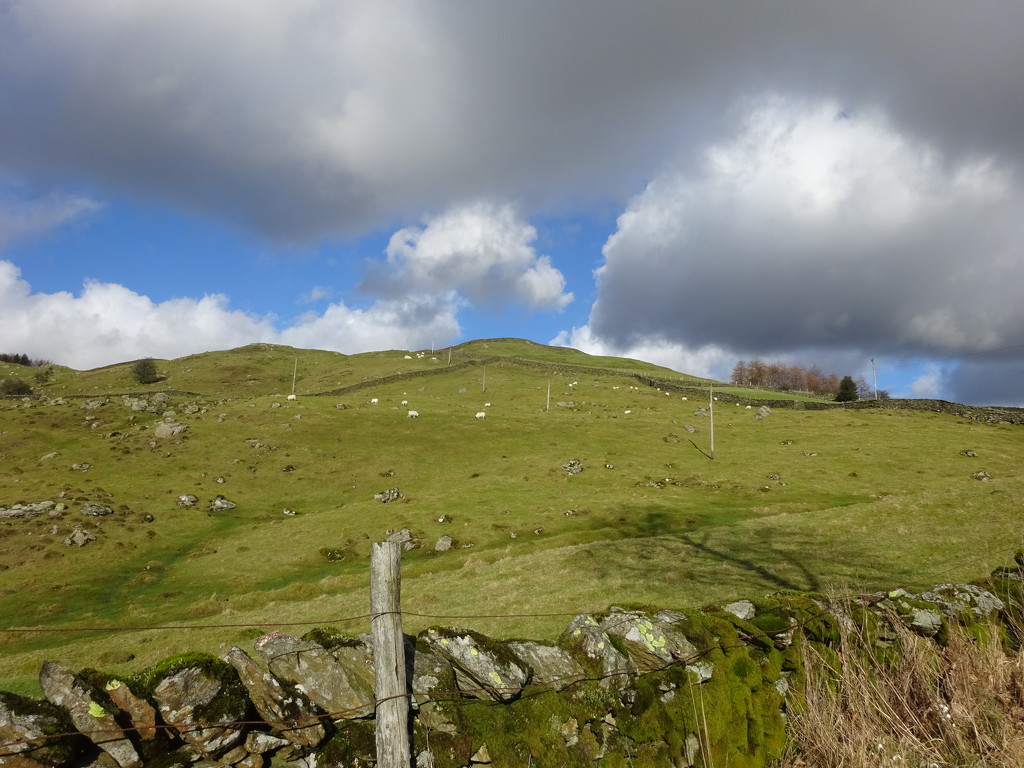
(690, 183)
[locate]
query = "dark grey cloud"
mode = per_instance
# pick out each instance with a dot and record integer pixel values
(309, 117)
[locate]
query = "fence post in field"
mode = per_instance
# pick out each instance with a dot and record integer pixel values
(392, 711)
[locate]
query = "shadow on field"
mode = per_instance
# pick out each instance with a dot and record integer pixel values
(810, 581)
(784, 560)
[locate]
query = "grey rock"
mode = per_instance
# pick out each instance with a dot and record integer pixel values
(552, 666)
(78, 538)
(169, 429)
(290, 713)
(391, 494)
(443, 544)
(964, 602)
(763, 412)
(573, 467)
(185, 696)
(221, 504)
(339, 681)
(139, 711)
(25, 728)
(63, 689)
(187, 500)
(484, 668)
(651, 642)
(26, 510)
(585, 637)
(701, 671)
(95, 509)
(742, 609)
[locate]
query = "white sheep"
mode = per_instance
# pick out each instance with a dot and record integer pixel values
(373, 401)
(405, 403)
(481, 415)
(487, 405)
(414, 414)
(290, 397)
(627, 411)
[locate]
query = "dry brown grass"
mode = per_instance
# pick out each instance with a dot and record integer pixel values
(926, 705)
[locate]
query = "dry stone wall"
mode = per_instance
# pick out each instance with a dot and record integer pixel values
(625, 687)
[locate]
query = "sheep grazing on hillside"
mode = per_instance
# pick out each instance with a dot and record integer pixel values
(481, 415)
(373, 401)
(405, 403)
(290, 397)
(414, 414)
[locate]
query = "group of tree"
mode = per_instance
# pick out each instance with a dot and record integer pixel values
(21, 359)
(797, 378)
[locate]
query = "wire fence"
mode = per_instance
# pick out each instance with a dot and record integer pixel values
(461, 696)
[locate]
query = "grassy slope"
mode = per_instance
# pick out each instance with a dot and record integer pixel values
(886, 498)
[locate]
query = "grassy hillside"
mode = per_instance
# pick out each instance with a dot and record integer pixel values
(799, 500)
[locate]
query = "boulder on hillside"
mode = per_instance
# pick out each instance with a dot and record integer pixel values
(95, 509)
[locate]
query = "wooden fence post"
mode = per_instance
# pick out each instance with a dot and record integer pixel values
(392, 710)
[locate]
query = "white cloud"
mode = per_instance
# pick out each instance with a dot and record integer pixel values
(817, 228)
(927, 384)
(708, 361)
(483, 251)
(108, 323)
(315, 294)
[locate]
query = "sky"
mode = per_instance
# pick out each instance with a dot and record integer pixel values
(815, 182)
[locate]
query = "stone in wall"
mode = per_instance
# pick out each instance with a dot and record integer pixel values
(64, 689)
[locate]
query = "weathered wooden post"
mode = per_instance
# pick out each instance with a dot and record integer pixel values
(392, 711)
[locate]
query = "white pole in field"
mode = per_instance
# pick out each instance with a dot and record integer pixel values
(392, 709)
(547, 406)
(711, 412)
(295, 370)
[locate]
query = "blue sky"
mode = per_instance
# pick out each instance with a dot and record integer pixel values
(684, 183)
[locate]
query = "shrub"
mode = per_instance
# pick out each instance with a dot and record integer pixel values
(15, 388)
(145, 371)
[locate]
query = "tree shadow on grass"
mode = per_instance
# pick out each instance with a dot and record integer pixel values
(783, 560)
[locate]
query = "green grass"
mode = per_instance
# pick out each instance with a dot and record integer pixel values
(864, 498)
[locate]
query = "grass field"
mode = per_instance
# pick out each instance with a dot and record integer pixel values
(801, 500)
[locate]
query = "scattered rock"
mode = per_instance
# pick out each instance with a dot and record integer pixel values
(187, 500)
(26, 510)
(221, 504)
(983, 476)
(95, 509)
(83, 467)
(78, 538)
(763, 412)
(169, 429)
(25, 725)
(391, 494)
(443, 544)
(969, 454)
(573, 467)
